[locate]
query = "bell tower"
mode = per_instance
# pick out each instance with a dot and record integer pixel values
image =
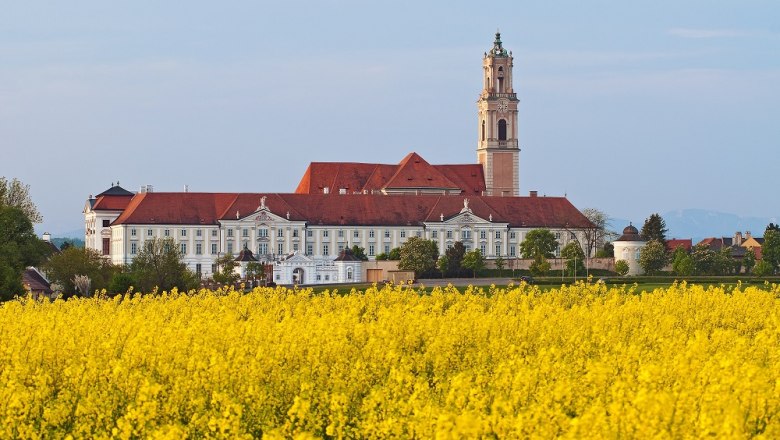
(497, 149)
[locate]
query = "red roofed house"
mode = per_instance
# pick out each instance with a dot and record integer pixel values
(337, 205)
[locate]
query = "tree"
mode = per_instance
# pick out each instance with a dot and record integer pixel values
(159, 265)
(63, 267)
(474, 261)
(682, 263)
(653, 257)
(597, 235)
(608, 251)
(654, 229)
(703, 259)
(500, 264)
(255, 271)
(538, 242)
(19, 248)
(540, 266)
(16, 194)
(749, 260)
(621, 267)
(121, 282)
(226, 269)
(763, 269)
(419, 255)
(442, 263)
(395, 254)
(574, 257)
(724, 262)
(455, 258)
(381, 257)
(359, 252)
(770, 250)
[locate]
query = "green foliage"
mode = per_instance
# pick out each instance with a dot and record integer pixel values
(121, 282)
(538, 242)
(255, 271)
(749, 260)
(653, 257)
(654, 229)
(419, 255)
(682, 263)
(770, 250)
(359, 252)
(381, 257)
(540, 266)
(395, 254)
(15, 194)
(442, 264)
(19, 248)
(574, 257)
(226, 266)
(159, 265)
(455, 258)
(621, 267)
(763, 269)
(473, 261)
(500, 264)
(63, 267)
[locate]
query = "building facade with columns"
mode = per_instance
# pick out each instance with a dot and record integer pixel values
(340, 204)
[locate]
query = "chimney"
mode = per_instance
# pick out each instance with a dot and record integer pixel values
(149, 188)
(747, 235)
(738, 238)
(533, 193)
(46, 237)
(143, 189)
(186, 188)
(326, 190)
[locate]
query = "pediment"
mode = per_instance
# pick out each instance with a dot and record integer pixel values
(467, 217)
(262, 215)
(298, 258)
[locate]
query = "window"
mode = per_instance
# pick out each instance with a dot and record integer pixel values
(199, 232)
(280, 249)
(106, 223)
(573, 236)
(387, 234)
(371, 250)
(418, 234)
(327, 277)
(198, 269)
(403, 234)
(295, 247)
(498, 250)
(512, 251)
(198, 249)
(262, 248)
(349, 273)
(356, 234)
(483, 249)
(230, 232)
(106, 246)
(341, 233)
(213, 232)
(310, 233)
(213, 249)
(325, 233)
(371, 234)
(557, 235)
(512, 235)
(133, 248)
(230, 247)
(483, 129)
(498, 234)
(183, 232)
(184, 248)
(167, 233)
(262, 233)
(325, 250)
(319, 277)
(245, 232)
(434, 234)
(466, 234)
(309, 249)
(278, 277)
(213, 268)
(295, 233)
(502, 129)
(482, 235)
(341, 248)
(449, 234)
(148, 232)
(132, 232)
(280, 232)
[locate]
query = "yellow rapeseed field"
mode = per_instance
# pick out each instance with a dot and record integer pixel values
(579, 361)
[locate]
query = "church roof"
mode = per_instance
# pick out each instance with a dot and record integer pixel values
(348, 210)
(413, 172)
(115, 190)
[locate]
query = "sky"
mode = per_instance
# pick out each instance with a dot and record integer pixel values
(628, 107)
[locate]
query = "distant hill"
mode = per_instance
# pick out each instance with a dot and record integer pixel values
(58, 241)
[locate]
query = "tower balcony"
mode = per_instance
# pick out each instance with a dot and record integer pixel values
(495, 143)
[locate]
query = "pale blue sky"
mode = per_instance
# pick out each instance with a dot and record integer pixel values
(630, 109)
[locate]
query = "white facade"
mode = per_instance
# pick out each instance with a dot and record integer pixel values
(630, 252)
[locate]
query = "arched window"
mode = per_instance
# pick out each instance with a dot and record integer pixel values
(500, 79)
(483, 129)
(502, 129)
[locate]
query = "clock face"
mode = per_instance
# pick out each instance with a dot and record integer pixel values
(503, 105)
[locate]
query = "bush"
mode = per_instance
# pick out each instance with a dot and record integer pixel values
(621, 267)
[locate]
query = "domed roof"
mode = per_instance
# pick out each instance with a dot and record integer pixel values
(630, 233)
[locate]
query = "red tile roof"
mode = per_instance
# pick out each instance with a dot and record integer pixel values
(674, 243)
(412, 172)
(358, 210)
(112, 203)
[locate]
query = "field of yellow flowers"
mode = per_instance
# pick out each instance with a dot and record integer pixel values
(580, 361)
